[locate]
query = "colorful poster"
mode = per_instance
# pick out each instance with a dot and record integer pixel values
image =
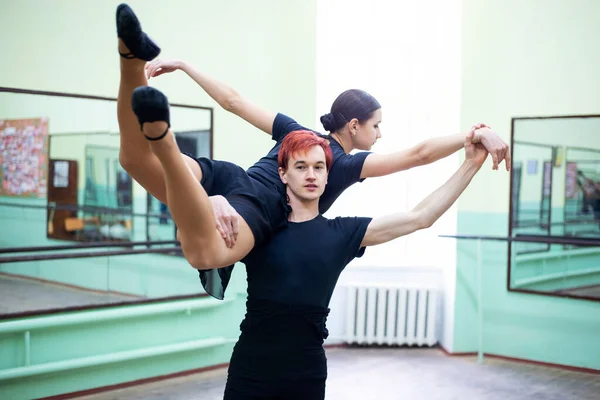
(24, 157)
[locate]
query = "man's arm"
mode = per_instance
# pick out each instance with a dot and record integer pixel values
(432, 150)
(223, 94)
(385, 229)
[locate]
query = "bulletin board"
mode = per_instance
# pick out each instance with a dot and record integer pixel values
(24, 157)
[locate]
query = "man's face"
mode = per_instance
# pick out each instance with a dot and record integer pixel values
(306, 175)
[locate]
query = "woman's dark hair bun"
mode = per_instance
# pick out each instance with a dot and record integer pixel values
(353, 103)
(328, 122)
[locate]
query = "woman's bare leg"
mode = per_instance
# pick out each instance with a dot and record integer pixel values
(188, 202)
(135, 154)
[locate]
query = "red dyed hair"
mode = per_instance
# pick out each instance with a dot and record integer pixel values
(302, 141)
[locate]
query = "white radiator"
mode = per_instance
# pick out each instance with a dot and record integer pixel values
(388, 315)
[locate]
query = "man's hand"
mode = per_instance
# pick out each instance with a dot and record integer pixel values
(493, 144)
(227, 219)
(474, 152)
(158, 67)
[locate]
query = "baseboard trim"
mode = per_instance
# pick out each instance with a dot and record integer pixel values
(523, 360)
(124, 385)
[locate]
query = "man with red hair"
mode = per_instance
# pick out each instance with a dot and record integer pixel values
(292, 276)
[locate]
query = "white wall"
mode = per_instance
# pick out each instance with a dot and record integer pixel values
(406, 54)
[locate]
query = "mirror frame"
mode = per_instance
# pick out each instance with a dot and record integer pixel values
(118, 303)
(511, 210)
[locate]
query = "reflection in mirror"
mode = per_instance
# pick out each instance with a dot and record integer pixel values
(99, 188)
(61, 184)
(582, 192)
(532, 178)
(107, 185)
(555, 193)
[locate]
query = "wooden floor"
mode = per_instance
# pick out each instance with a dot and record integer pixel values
(380, 374)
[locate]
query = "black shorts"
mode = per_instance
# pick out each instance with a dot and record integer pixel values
(264, 209)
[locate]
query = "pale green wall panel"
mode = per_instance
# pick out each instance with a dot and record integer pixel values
(529, 326)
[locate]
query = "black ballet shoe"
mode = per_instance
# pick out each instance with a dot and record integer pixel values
(130, 31)
(150, 105)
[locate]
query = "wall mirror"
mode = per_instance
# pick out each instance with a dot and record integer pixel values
(555, 194)
(61, 184)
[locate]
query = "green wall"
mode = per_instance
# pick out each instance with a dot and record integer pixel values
(519, 64)
(250, 45)
(71, 352)
(527, 326)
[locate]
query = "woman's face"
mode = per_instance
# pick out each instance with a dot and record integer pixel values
(364, 135)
